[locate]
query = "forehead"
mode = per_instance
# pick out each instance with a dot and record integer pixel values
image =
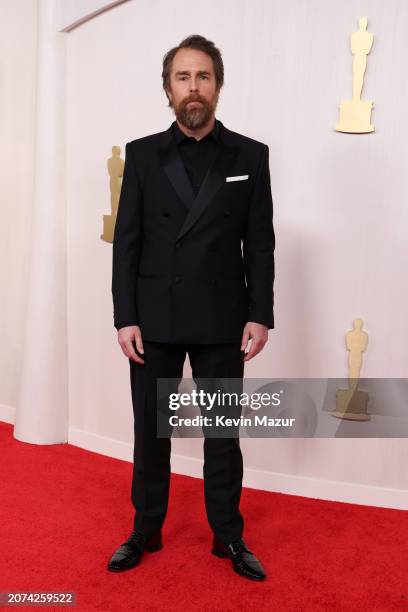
(192, 60)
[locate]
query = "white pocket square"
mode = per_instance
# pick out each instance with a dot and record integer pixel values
(242, 177)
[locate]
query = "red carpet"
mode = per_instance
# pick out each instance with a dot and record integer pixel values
(64, 510)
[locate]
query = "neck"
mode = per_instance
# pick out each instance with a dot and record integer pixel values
(199, 132)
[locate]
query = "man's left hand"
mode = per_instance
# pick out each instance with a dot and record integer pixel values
(258, 333)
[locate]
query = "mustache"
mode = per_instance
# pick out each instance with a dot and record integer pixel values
(194, 99)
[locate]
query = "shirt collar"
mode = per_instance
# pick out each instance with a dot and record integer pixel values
(180, 135)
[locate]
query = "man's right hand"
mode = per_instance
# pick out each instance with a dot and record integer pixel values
(126, 336)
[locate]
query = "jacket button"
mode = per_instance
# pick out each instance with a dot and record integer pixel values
(227, 213)
(178, 245)
(165, 213)
(178, 279)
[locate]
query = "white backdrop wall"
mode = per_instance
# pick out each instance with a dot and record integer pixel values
(340, 212)
(340, 200)
(18, 41)
(75, 12)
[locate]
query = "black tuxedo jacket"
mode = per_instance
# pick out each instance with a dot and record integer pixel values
(194, 269)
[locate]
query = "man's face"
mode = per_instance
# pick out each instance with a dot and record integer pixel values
(193, 92)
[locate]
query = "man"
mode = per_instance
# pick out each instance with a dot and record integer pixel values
(193, 272)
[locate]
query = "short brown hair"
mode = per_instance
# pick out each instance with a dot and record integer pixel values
(195, 41)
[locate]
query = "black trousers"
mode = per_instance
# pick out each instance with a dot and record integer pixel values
(223, 465)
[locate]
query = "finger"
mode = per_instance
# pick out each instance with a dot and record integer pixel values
(139, 343)
(245, 338)
(137, 359)
(248, 355)
(260, 346)
(254, 350)
(131, 353)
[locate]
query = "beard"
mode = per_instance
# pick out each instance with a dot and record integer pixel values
(195, 116)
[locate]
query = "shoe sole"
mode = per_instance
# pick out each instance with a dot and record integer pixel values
(224, 555)
(151, 549)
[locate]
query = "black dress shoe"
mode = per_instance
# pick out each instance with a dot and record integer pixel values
(129, 553)
(243, 560)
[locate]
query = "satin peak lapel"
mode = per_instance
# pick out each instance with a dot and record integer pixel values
(213, 181)
(173, 166)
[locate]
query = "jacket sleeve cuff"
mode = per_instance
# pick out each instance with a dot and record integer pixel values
(125, 324)
(268, 321)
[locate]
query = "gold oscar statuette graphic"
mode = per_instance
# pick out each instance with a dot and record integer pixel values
(352, 403)
(115, 169)
(355, 114)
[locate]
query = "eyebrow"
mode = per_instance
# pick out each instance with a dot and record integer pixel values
(188, 72)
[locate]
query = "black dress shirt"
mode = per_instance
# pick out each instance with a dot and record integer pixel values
(197, 155)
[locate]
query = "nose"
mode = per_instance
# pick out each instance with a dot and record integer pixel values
(194, 84)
